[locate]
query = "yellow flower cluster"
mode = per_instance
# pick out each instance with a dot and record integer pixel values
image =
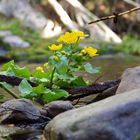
(39, 69)
(71, 37)
(55, 47)
(90, 51)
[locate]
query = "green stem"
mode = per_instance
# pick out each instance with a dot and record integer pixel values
(9, 91)
(51, 80)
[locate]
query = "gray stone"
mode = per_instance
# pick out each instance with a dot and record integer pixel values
(7, 130)
(130, 80)
(2, 52)
(22, 10)
(4, 33)
(56, 107)
(15, 41)
(17, 110)
(115, 118)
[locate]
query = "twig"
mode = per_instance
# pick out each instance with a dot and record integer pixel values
(115, 15)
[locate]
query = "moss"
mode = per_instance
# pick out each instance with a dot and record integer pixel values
(130, 45)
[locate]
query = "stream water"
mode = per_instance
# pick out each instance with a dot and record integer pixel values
(112, 67)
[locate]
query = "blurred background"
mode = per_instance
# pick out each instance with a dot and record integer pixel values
(27, 27)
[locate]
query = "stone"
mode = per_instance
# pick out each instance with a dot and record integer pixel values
(7, 130)
(106, 93)
(130, 80)
(114, 118)
(2, 52)
(56, 107)
(4, 33)
(15, 41)
(30, 17)
(18, 110)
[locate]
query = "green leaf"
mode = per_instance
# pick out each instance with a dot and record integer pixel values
(62, 65)
(79, 81)
(13, 70)
(55, 94)
(40, 74)
(7, 65)
(6, 85)
(66, 76)
(21, 72)
(62, 84)
(88, 68)
(25, 88)
(39, 89)
(9, 72)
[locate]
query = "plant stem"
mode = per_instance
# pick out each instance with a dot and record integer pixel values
(51, 80)
(9, 91)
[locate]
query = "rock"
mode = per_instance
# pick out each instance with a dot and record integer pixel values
(56, 107)
(12, 40)
(114, 118)
(15, 41)
(18, 110)
(30, 17)
(2, 52)
(4, 33)
(106, 93)
(7, 130)
(130, 80)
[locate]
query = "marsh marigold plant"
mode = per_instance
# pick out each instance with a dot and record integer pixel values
(58, 73)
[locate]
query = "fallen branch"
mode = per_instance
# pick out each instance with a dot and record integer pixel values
(116, 15)
(76, 93)
(81, 92)
(13, 80)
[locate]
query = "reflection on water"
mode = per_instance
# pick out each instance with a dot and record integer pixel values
(112, 67)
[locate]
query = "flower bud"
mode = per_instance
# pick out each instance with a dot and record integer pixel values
(56, 58)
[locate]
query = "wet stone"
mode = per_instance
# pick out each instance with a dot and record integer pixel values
(18, 110)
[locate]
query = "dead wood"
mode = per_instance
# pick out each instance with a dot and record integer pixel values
(81, 92)
(13, 80)
(76, 93)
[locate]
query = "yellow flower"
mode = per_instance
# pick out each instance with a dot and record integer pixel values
(80, 34)
(90, 51)
(68, 38)
(39, 69)
(54, 47)
(71, 37)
